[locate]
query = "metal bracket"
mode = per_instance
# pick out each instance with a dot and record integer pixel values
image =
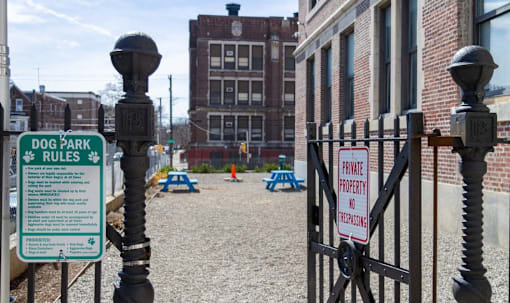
(114, 236)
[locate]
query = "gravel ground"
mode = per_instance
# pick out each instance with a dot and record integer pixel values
(237, 242)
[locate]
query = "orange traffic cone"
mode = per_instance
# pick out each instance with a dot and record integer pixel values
(233, 176)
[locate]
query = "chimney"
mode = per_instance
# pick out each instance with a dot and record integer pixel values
(42, 89)
(296, 15)
(233, 9)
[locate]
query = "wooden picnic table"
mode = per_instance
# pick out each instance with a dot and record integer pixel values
(282, 177)
(178, 178)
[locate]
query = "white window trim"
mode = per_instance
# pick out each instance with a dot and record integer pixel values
(235, 115)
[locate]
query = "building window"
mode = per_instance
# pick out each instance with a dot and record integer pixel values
(242, 96)
(312, 3)
(348, 103)
(244, 57)
(229, 92)
(79, 116)
(290, 64)
(215, 54)
(328, 80)
(214, 128)
(256, 128)
(19, 105)
(256, 92)
(310, 85)
(242, 127)
(257, 58)
(492, 19)
(80, 101)
(409, 59)
(385, 61)
(228, 128)
(230, 57)
(51, 108)
(288, 128)
(215, 92)
(289, 95)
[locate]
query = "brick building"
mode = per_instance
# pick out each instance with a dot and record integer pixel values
(50, 108)
(242, 87)
(83, 105)
(359, 59)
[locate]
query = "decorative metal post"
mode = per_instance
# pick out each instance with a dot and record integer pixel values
(471, 69)
(135, 57)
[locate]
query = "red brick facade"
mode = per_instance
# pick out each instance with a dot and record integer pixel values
(235, 72)
(443, 27)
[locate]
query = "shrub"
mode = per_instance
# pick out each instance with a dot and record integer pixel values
(227, 168)
(241, 168)
(260, 169)
(194, 169)
(167, 168)
(287, 167)
(271, 166)
(205, 168)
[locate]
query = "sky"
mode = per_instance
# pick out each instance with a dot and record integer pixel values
(65, 44)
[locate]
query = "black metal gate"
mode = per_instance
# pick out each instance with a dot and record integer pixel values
(354, 260)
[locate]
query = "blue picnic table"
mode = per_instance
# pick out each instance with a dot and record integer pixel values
(282, 177)
(178, 178)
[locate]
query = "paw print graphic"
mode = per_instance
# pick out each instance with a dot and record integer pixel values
(94, 157)
(29, 156)
(91, 241)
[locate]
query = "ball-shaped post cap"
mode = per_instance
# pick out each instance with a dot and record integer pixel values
(471, 68)
(135, 56)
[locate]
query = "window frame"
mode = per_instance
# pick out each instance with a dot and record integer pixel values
(247, 67)
(219, 138)
(253, 58)
(261, 129)
(348, 80)
(480, 18)
(286, 127)
(211, 56)
(211, 92)
(385, 60)
(252, 91)
(227, 93)
(230, 65)
(310, 89)
(239, 101)
(286, 94)
(407, 61)
(327, 77)
(289, 64)
(18, 105)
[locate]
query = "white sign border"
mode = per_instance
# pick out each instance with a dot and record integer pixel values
(349, 237)
(19, 197)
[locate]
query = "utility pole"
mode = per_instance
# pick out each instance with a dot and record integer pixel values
(5, 102)
(160, 125)
(170, 127)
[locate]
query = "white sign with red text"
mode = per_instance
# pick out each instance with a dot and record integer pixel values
(353, 205)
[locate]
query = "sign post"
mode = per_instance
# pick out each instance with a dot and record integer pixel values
(61, 211)
(353, 204)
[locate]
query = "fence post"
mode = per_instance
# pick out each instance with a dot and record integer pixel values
(472, 69)
(414, 130)
(311, 134)
(135, 57)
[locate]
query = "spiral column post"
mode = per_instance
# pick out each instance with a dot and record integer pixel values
(135, 56)
(472, 69)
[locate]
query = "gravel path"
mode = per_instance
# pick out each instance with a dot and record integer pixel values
(237, 242)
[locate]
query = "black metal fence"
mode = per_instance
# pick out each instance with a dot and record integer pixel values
(113, 185)
(323, 280)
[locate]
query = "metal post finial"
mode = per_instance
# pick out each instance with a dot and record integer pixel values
(135, 57)
(472, 69)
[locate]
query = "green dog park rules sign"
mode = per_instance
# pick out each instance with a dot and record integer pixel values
(61, 211)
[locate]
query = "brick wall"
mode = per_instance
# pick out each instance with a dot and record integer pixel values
(255, 31)
(446, 26)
